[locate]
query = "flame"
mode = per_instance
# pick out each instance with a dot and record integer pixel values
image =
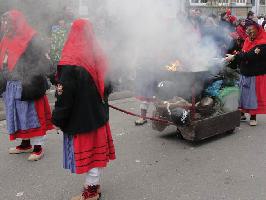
(174, 66)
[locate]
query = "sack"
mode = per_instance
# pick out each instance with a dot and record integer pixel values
(229, 98)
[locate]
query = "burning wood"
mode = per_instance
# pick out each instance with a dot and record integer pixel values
(176, 102)
(175, 66)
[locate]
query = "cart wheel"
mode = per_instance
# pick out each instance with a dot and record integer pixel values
(157, 125)
(179, 135)
(231, 131)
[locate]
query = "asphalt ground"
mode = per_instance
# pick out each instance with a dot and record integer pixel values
(149, 165)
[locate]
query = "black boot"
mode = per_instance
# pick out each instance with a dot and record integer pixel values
(243, 117)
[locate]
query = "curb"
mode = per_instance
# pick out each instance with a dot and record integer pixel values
(120, 95)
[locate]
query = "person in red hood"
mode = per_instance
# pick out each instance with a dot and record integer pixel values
(236, 43)
(232, 19)
(81, 109)
(251, 62)
(241, 29)
(23, 84)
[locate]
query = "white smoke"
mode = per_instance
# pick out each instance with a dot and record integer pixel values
(131, 31)
(144, 29)
(134, 33)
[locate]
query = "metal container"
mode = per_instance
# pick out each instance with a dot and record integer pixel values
(206, 128)
(211, 126)
(180, 84)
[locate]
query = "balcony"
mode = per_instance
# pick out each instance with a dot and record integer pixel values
(238, 7)
(218, 2)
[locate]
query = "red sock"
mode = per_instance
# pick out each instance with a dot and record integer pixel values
(37, 148)
(25, 144)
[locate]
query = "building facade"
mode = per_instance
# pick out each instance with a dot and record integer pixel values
(260, 6)
(86, 8)
(238, 7)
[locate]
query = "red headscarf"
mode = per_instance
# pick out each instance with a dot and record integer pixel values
(81, 49)
(16, 45)
(260, 39)
(232, 18)
(228, 12)
(241, 31)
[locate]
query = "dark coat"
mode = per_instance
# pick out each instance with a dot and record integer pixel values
(30, 70)
(80, 108)
(250, 63)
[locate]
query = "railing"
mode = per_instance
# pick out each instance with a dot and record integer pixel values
(198, 2)
(218, 2)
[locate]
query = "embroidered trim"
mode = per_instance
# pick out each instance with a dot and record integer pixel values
(59, 89)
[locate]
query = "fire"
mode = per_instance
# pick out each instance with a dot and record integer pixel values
(175, 66)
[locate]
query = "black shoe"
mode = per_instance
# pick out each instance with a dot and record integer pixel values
(243, 118)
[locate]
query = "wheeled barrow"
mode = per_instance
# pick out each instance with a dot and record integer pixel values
(198, 128)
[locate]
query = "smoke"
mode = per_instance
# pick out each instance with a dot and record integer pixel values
(144, 30)
(40, 14)
(135, 34)
(132, 32)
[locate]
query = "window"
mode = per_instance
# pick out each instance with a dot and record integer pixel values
(262, 2)
(223, 1)
(220, 2)
(241, 2)
(198, 2)
(238, 2)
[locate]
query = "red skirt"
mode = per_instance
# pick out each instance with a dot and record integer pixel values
(93, 150)
(261, 96)
(44, 115)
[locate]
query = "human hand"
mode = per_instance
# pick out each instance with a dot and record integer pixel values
(59, 89)
(257, 51)
(57, 129)
(47, 56)
(229, 57)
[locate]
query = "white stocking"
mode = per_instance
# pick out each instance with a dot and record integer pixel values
(93, 177)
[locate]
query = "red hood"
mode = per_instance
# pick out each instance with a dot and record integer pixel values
(18, 44)
(260, 39)
(82, 49)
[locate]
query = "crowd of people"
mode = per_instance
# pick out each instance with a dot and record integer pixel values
(242, 42)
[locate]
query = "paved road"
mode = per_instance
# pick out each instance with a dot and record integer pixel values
(149, 165)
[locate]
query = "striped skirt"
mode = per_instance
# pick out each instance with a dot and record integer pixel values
(83, 152)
